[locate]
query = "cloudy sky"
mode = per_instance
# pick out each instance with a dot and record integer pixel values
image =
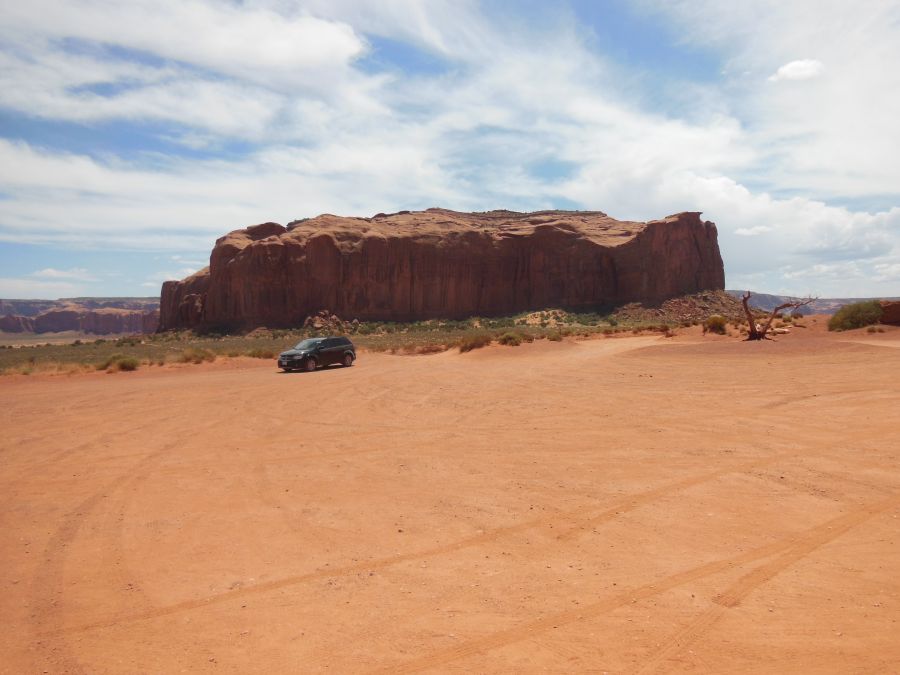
(132, 134)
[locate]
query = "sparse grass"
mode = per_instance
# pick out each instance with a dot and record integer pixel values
(857, 315)
(260, 353)
(430, 349)
(196, 355)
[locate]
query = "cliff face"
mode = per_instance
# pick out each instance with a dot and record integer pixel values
(440, 263)
(97, 321)
(12, 323)
(102, 316)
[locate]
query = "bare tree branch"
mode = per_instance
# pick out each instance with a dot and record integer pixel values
(758, 332)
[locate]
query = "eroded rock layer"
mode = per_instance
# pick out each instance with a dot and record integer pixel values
(441, 264)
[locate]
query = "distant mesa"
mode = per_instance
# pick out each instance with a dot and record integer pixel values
(441, 264)
(767, 302)
(100, 316)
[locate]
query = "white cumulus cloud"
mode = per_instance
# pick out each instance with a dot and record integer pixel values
(75, 274)
(804, 69)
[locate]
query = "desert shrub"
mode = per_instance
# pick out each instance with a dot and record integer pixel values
(128, 363)
(196, 355)
(260, 353)
(715, 324)
(857, 315)
(119, 362)
(871, 329)
(510, 339)
(476, 341)
(103, 365)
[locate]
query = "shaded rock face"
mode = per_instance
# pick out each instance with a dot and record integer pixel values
(890, 312)
(442, 264)
(16, 324)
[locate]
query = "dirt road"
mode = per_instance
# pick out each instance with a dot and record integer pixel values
(621, 505)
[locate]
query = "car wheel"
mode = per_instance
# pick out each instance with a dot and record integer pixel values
(348, 360)
(310, 365)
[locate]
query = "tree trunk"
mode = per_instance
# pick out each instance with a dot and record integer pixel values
(761, 334)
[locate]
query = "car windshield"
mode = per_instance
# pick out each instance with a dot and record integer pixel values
(309, 343)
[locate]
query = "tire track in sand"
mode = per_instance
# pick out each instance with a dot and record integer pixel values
(577, 526)
(48, 589)
(734, 594)
(788, 552)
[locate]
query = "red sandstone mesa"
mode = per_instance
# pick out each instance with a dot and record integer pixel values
(441, 264)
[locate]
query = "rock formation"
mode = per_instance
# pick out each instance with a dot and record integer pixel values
(71, 317)
(97, 321)
(890, 312)
(441, 264)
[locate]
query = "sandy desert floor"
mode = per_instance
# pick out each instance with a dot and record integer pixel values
(623, 505)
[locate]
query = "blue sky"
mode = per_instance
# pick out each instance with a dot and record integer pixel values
(132, 135)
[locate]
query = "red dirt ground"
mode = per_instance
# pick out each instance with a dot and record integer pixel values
(624, 505)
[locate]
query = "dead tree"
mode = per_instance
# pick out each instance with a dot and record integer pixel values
(762, 333)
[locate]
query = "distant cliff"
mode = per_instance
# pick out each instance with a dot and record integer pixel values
(100, 316)
(441, 264)
(768, 302)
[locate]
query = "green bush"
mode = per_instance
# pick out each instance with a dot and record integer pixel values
(476, 341)
(857, 315)
(510, 339)
(715, 324)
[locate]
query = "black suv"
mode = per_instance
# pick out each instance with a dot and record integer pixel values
(311, 353)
